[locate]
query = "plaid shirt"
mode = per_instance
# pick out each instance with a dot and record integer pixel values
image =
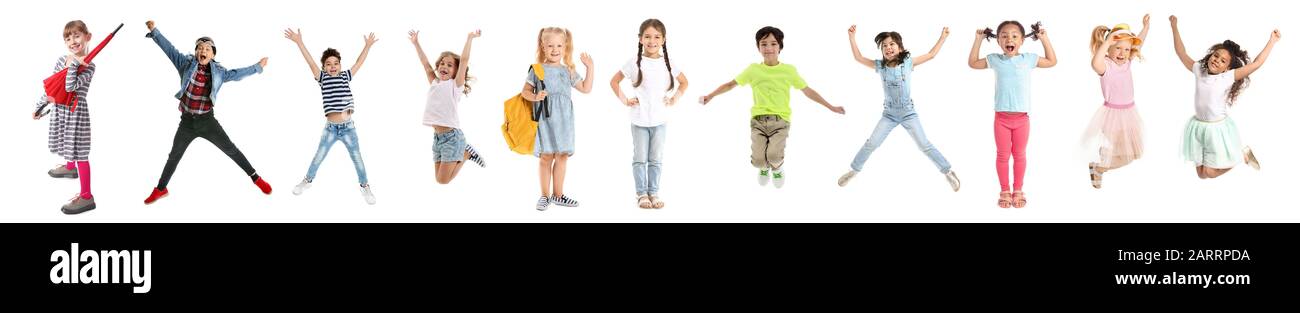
(196, 99)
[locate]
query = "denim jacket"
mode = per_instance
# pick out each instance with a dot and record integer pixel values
(186, 65)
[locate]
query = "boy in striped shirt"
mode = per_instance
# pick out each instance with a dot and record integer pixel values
(336, 95)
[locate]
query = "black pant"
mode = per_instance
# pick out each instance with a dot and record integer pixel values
(201, 126)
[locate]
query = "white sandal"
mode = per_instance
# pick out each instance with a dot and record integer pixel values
(643, 201)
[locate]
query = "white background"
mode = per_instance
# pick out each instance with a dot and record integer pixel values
(276, 117)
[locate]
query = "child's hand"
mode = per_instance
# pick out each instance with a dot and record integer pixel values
(294, 36)
(670, 101)
(415, 36)
(36, 116)
(979, 33)
(945, 33)
(631, 102)
(705, 100)
(1277, 35)
(149, 24)
(1042, 32)
(1173, 20)
(1146, 20)
(586, 59)
(262, 63)
(370, 39)
(853, 30)
(476, 33)
(836, 109)
(541, 95)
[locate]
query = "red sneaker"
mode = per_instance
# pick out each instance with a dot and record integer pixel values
(261, 184)
(155, 195)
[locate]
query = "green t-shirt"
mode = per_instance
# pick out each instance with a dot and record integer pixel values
(771, 86)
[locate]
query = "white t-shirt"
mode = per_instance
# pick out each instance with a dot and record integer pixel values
(440, 110)
(653, 91)
(1212, 93)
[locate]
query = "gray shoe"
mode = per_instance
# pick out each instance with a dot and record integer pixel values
(62, 171)
(79, 205)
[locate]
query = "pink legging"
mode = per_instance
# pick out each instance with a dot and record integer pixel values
(1011, 132)
(83, 173)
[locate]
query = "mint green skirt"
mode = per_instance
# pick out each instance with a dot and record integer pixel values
(1212, 144)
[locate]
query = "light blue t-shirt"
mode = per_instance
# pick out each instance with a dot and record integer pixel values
(1012, 91)
(896, 81)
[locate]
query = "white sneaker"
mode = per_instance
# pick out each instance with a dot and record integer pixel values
(953, 181)
(763, 177)
(844, 179)
(302, 186)
(368, 194)
(778, 178)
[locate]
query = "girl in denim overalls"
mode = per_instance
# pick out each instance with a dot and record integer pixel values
(895, 75)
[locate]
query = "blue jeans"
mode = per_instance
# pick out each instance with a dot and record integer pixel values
(647, 152)
(896, 114)
(334, 132)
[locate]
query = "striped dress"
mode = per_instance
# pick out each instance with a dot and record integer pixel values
(70, 131)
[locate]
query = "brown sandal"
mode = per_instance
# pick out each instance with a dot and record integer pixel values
(1094, 175)
(1004, 199)
(643, 201)
(1018, 199)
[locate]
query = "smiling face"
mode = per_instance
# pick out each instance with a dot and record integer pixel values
(553, 47)
(1219, 61)
(1121, 52)
(770, 49)
(1010, 38)
(446, 67)
(652, 40)
(332, 66)
(204, 52)
(76, 42)
(889, 48)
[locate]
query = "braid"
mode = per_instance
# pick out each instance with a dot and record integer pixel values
(639, 51)
(672, 83)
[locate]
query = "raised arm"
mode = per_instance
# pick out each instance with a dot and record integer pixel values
(816, 97)
(933, 51)
(1049, 54)
(1178, 44)
(584, 86)
(424, 60)
(1099, 56)
(1259, 60)
(361, 59)
(464, 58)
(1146, 25)
(974, 60)
(241, 73)
(721, 89)
(296, 37)
(857, 54)
(179, 60)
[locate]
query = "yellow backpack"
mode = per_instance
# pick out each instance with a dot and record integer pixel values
(520, 128)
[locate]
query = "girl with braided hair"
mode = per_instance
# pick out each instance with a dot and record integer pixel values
(656, 87)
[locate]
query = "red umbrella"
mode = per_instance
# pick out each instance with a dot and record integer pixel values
(54, 87)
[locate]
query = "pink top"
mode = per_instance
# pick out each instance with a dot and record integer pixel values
(1117, 85)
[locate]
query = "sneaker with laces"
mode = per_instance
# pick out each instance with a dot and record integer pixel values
(368, 194)
(302, 186)
(763, 177)
(778, 178)
(62, 171)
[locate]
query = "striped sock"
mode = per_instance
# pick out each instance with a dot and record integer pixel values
(474, 157)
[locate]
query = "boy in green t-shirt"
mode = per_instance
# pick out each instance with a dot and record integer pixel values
(770, 117)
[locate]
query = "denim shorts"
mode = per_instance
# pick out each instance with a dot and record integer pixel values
(449, 146)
